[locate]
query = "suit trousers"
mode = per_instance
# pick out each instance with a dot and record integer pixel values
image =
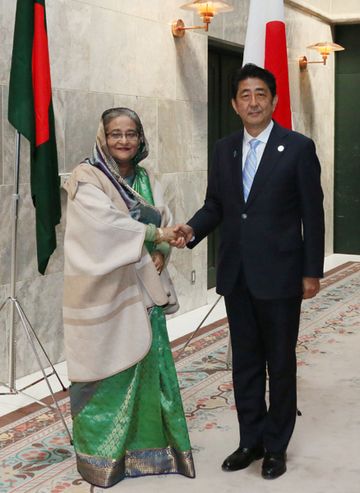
(263, 336)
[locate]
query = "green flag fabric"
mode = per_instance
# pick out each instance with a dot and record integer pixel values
(31, 113)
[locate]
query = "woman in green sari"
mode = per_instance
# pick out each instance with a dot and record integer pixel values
(128, 418)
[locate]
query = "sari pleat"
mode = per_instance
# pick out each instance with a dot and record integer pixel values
(133, 423)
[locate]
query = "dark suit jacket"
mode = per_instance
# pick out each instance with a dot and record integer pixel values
(276, 237)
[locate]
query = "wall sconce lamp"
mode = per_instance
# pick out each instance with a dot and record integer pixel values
(206, 10)
(324, 49)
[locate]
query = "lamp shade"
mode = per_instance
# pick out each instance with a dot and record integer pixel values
(326, 47)
(203, 6)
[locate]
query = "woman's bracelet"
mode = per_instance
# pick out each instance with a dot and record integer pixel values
(160, 236)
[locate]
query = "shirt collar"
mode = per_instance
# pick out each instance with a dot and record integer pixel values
(263, 136)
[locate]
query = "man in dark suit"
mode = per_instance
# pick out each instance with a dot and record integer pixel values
(264, 191)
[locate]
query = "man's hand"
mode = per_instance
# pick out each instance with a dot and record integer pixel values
(311, 287)
(184, 234)
(165, 234)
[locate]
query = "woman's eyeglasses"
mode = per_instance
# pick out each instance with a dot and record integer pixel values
(129, 136)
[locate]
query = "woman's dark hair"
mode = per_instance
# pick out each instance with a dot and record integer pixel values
(252, 71)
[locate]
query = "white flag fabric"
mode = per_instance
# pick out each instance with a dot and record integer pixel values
(265, 46)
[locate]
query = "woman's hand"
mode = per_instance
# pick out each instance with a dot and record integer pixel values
(159, 261)
(165, 234)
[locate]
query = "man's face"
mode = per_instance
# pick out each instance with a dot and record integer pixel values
(254, 104)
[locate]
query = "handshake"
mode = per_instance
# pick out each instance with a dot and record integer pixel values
(177, 236)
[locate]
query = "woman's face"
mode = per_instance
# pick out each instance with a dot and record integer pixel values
(122, 139)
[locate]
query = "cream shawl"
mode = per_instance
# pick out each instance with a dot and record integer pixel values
(109, 278)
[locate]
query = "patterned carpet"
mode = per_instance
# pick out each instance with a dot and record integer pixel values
(34, 451)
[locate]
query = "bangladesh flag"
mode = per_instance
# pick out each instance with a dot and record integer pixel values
(31, 113)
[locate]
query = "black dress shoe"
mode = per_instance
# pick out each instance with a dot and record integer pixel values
(242, 458)
(274, 465)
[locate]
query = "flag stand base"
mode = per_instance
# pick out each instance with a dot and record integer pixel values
(15, 307)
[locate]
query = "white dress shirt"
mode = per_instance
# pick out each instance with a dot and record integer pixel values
(263, 137)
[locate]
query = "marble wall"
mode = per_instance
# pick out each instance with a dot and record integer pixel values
(334, 8)
(312, 100)
(348, 8)
(121, 52)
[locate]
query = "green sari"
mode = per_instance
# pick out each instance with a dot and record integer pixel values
(132, 423)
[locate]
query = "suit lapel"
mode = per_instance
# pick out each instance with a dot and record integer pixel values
(272, 153)
(236, 157)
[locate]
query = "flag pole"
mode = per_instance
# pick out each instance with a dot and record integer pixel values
(12, 297)
(15, 209)
(15, 306)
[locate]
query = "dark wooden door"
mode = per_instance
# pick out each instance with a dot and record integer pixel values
(347, 141)
(222, 120)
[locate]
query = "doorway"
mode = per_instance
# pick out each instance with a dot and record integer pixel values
(223, 60)
(347, 148)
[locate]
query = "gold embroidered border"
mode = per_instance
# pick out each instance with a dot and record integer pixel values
(105, 472)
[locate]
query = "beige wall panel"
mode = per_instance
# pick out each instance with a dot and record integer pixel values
(175, 136)
(113, 65)
(154, 59)
(182, 136)
(323, 5)
(58, 98)
(342, 7)
(82, 116)
(7, 18)
(5, 237)
(8, 158)
(4, 293)
(184, 193)
(235, 23)
(312, 99)
(1, 135)
(41, 299)
(70, 35)
(191, 60)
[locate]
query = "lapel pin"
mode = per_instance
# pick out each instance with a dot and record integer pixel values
(235, 153)
(280, 148)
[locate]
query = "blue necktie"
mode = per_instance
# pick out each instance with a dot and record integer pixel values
(250, 167)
